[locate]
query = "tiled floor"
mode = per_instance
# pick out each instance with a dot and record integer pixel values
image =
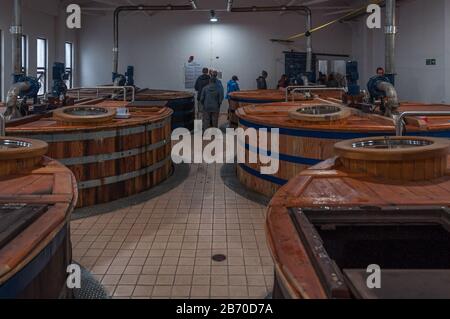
(163, 248)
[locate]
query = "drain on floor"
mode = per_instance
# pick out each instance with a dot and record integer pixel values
(219, 258)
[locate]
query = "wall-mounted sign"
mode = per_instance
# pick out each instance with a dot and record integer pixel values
(191, 72)
(431, 61)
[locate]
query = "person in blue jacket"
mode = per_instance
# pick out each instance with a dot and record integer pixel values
(232, 86)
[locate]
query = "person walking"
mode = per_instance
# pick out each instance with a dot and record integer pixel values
(261, 82)
(211, 98)
(215, 75)
(202, 82)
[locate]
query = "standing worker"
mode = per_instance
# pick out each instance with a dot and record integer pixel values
(215, 75)
(262, 81)
(202, 82)
(211, 99)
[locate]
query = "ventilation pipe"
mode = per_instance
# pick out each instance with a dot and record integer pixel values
(229, 5)
(390, 92)
(285, 9)
(16, 31)
(2, 125)
(390, 33)
(118, 10)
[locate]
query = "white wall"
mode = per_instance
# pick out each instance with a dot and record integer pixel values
(159, 46)
(43, 18)
(447, 50)
(424, 31)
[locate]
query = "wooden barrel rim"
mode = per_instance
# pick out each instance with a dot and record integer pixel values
(137, 118)
(340, 112)
(437, 148)
(106, 116)
(37, 148)
(163, 95)
(258, 96)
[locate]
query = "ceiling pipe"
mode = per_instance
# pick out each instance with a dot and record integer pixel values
(117, 12)
(390, 33)
(304, 9)
(16, 31)
(193, 4)
(229, 5)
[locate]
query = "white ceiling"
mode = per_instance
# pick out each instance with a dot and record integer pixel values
(331, 8)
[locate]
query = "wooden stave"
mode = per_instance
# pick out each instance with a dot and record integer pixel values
(107, 169)
(248, 174)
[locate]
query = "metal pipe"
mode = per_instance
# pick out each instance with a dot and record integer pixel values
(229, 5)
(2, 125)
(117, 12)
(305, 80)
(391, 94)
(399, 118)
(124, 88)
(12, 111)
(308, 41)
(291, 87)
(313, 88)
(305, 9)
(390, 33)
(193, 4)
(16, 31)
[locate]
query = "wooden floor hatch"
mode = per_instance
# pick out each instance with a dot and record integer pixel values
(14, 218)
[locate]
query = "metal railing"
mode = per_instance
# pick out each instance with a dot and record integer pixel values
(98, 88)
(311, 88)
(399, 118)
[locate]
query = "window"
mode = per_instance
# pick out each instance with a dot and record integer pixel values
(24, 54)
(69, 63)
(42, 64)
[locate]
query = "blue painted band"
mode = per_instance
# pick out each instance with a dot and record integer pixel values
(339, 135)
(253, 101)
(21, 280)
(269, 178)
(284, 157)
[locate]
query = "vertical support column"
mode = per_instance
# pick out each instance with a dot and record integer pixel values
(390, 32)
(16, 31)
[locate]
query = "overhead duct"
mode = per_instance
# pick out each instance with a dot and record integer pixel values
(390, 33)
(16, 31)
(285, 9)
(118, 10)
(229, 5)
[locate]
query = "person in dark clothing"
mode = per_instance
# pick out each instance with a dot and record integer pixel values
(332, 82)
(261, 81)
(211, 98)
(202, 81)
(380, 71)
(322, 79)
(283, 83)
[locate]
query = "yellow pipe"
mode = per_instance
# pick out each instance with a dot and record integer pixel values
(357, 11)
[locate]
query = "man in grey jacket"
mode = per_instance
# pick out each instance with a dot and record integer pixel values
(211, 99)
